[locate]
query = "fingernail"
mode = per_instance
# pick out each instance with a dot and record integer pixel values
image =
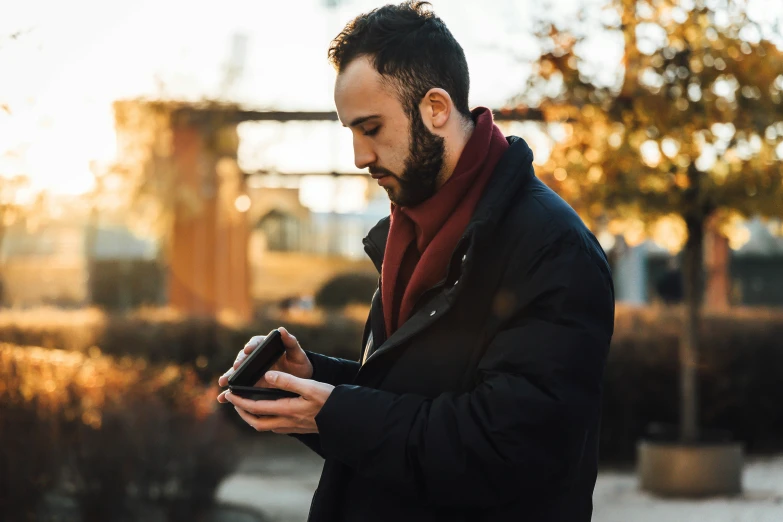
(271, 376)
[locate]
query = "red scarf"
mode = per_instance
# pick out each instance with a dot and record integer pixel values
(422, 239)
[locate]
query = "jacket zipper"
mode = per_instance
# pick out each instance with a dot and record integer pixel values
(371, 249)
(440, 284)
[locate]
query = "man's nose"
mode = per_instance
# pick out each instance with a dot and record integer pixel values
(363, 156)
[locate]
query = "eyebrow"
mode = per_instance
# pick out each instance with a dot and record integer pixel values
(362, 119)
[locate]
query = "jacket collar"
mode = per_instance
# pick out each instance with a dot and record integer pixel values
(513, 171)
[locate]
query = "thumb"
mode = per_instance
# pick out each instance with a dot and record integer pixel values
(288, 382)
(293, 349)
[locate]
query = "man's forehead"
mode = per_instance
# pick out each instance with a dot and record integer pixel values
(360, 91)
(359, 74)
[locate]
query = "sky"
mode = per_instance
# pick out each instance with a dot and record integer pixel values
(70, 60)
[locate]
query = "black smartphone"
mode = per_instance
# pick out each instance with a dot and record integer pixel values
(258, 362)
(261, 394)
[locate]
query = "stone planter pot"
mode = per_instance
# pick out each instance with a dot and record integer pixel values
(675, 469)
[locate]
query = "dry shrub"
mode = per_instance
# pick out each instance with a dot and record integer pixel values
(30, 455)
(162, 336)
(742, 360)
(116, 435)
(52, 327)
(346, 289)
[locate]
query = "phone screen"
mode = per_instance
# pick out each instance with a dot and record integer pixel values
(259, 361)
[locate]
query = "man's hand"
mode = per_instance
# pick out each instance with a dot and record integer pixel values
(293, 361)
(295, 415)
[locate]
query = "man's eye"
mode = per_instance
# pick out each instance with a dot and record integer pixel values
(373, 131)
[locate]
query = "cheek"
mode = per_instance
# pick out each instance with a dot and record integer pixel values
(392, 154)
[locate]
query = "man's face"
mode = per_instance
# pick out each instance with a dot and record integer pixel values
(400, 152)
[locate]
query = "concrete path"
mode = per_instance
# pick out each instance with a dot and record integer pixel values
(277, 478)
(617, 499)
(279, 475)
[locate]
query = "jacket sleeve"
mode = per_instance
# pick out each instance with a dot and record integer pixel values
(524, 426)
(333, 371)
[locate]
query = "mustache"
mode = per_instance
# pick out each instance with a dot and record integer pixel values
(382, 171)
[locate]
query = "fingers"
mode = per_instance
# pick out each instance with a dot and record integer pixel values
(223, 379)
(252, 344)
(262, 383)
(305, 387)
(273, 424)
(293, 350)
(295, 415)
(280, 407)
(222, 397)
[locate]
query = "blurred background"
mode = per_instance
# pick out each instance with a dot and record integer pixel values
(173, 181)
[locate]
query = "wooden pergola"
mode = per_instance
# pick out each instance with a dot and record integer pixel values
(232, 114)
(208, 250)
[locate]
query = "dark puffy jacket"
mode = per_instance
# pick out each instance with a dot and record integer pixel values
(485, 404)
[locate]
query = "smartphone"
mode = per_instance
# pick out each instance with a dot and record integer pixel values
(261, 394)
(258, 362)
(254, 366)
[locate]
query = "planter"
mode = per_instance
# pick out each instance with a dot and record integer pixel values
(676, 469)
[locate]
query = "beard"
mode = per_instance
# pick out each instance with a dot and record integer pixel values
(422, 168)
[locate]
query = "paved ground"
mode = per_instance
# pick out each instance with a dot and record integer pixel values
(279, 476)
(278, 479)
(617, 499)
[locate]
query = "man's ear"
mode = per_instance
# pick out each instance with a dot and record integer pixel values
(436, 109)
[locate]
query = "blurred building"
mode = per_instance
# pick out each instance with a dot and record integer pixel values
(231, 239)
(51, 265)
(754, 271)
(294, 249)
(180, 158)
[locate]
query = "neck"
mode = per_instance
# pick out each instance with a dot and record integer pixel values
(454, 149)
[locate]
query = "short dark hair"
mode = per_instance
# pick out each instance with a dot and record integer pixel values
(411, 46)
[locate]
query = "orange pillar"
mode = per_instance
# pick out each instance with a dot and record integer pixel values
(208, 262)
(717, 283)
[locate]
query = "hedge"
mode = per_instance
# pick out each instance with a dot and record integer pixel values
(741, 364)
(741, 370)
(162, 336)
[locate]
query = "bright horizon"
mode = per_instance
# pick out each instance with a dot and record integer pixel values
(78, 57)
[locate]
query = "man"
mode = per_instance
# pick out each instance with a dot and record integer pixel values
(477, 393)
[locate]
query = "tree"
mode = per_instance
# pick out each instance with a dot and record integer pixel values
(689, 134)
